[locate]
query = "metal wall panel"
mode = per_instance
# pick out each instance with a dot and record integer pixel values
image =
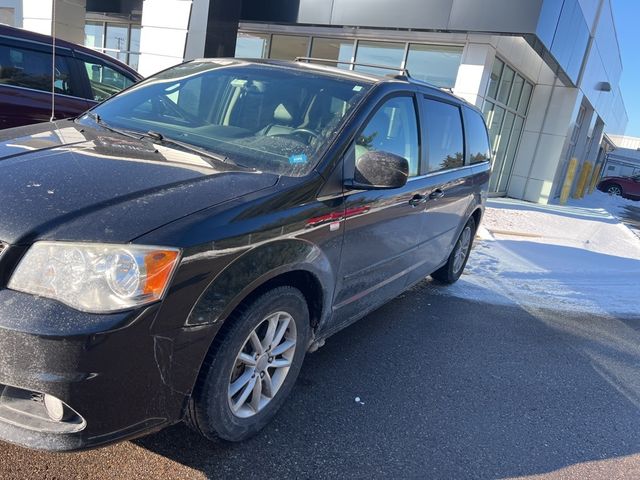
(425, 14)
(314, 12)
(508, 16)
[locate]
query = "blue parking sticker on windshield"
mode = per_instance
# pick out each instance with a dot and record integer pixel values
(298, 158)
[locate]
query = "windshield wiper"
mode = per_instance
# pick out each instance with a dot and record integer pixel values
(162, 139)
(98, 119)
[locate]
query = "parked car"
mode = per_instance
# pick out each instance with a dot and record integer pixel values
(83, 78)
(174, 253)
(628, 187)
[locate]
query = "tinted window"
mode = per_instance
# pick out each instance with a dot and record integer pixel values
(105, 81)
(22, 67)
(268, 118)
(393, 129)
(477, 140)
(444, 135)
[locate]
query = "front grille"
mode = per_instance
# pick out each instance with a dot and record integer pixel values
(3, 247)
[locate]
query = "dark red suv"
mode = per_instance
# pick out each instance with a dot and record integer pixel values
(83, 78)
(627, 187)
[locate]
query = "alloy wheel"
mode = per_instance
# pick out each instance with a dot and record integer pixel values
(262, 364)
(614, 190)
(462, 249)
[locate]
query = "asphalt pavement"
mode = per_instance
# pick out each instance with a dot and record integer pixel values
(448, 388)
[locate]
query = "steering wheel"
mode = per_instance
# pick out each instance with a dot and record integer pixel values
(305, 131)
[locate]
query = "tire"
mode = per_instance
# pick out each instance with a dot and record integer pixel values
(213, 409)
(451, 271)
(614, 189)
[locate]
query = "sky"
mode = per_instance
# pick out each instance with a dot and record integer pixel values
(626, 14)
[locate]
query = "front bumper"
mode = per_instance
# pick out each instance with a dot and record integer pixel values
(115, 371)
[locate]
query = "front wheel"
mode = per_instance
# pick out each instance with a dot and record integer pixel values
(451, 271)
(252, 366)
(614, 190)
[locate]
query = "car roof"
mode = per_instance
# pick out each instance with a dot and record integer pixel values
(319, 66)
(26, 35)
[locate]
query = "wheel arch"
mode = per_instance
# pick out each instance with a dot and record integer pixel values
(477, 216)
(293, 262)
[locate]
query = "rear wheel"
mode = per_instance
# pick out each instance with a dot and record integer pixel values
(454, 267)
(252, 366)
(614, 189)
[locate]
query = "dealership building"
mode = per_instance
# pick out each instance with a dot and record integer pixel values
(544, 72)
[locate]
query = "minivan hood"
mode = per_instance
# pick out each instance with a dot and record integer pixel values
(64, 181)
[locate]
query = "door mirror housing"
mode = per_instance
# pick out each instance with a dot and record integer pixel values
(379, 171)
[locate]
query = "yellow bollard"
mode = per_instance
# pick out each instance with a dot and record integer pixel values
(582, 180)
(594, 178)
(568, 180)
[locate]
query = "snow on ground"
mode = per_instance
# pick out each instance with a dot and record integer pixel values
(575, 258)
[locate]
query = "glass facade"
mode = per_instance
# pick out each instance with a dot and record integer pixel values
(436, 64)
(379, 53)
(334, 49)
(505, 110)
(119, 40)
(288, 47)
(252, 45)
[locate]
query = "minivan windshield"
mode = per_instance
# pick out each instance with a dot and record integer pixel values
(269, 118)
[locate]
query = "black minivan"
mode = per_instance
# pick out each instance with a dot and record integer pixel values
(174, 253)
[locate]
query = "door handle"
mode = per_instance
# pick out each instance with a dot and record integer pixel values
(417, 199)
(436, 194)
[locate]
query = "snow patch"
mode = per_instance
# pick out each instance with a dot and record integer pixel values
(572, 258)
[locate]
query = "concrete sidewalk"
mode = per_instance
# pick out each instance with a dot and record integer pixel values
(567, 258)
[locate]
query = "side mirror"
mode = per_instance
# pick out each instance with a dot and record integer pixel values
(378, 171)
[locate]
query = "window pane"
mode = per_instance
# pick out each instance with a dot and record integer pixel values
(496, 72)
(134, 46)
(514, 98)
(436, 64)
(487, 111)
(288, 47)
(477, 140)
(334, 49)
(30, 69)
(117, 41)
(510, 154)
(393, 129)
(494, 127)
(505, 85)
(379, 53)
(105, 81)
(8, 16)
(524, 98)
(444, 135)
(93, 35)
(252, 45)
(501, 146)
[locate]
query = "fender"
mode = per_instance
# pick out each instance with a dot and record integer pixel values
(256, 267)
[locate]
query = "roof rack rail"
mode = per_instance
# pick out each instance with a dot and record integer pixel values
(402, 70)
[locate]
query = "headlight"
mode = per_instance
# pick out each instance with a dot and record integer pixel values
(95, 277)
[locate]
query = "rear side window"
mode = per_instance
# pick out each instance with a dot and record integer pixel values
(444, 135)
(104, 80)
(477, 138)
(22, 67)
